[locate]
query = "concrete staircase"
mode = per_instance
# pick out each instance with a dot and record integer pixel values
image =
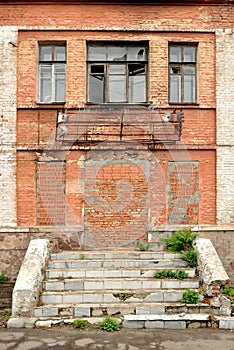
(121, 283)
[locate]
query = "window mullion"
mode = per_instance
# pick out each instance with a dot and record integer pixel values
(53, 83)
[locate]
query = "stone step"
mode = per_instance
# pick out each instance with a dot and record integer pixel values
(143, 272)
(177, 321)
(114, 255)
(94, 310)
(126, 263)
(111, 296)
(118, 284)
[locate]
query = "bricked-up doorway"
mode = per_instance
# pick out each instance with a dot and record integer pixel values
(115, 196)
(51, 201)
(183, 192)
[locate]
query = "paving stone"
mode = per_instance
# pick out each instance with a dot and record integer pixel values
(189, 284)
(175, 324)
(43, 324)
(82, 311)
(97, 312)
(92, 285)
(50, 311)
(154, 297)
(93, 298)
(133, 324)
(53, 286)
(52, 298)
(109, 298)
(72, 299)
(157, 309)
(142, 310)
(226, 323)
(151, 284)
(171, 284)
(38, 312)
(66, 311)
(15, 322)
(172, 296)
(154, 324)
(76, 285)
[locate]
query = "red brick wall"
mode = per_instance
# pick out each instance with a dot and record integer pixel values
(128, 17)
(78, 24)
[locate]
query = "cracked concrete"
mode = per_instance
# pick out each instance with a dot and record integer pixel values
(91, 339)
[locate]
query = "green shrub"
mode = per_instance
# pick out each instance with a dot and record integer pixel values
(180, 241)
(190, 256)
(191, 296)
(3, 278)
(142, 246)
(79, 323)
(178, 274)
(228, 290)
(109, 325)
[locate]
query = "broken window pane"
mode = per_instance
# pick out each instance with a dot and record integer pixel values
(116, 53)
(175, 70)
(120, 77)
(97, 69)
(136, 53)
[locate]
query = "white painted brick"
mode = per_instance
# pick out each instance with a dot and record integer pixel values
(224, 123)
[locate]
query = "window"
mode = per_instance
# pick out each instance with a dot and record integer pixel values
(117, 73)
(52, 72)
(182, 73)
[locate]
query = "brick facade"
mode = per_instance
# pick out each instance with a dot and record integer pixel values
(225, 122)
(115, 196)
(8, 111)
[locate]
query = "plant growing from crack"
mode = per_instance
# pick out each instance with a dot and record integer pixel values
(109, 325)
(142, 246)
(178, 274)
(3, 278)
(79, 323)
(181, 242)
(191, 296)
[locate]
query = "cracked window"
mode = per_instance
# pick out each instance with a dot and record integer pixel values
(117, 73)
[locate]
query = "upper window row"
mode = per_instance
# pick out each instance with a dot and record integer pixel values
(118, 73)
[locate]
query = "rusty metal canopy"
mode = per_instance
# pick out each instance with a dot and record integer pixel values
(112, 123)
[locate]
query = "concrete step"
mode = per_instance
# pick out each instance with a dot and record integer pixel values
(126, 263)
(178, 321)
(114, 255)
(143, 272)
(113, 309)
(112, 296)
(117, 284)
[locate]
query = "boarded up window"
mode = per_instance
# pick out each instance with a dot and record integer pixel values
(183, 192)
(51, 193)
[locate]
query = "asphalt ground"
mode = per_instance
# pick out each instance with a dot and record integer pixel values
(69, 338)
